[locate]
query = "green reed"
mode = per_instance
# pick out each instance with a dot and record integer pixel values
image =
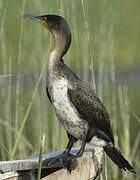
(105, 39)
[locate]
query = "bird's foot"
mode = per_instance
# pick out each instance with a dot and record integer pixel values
(54, 161)
(70, 162)
(67, 160)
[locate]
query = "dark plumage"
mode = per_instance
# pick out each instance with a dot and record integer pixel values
(77, 107)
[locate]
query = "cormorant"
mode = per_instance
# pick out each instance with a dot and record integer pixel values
(78, 108)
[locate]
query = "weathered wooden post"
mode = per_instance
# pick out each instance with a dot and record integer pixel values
(88, 167)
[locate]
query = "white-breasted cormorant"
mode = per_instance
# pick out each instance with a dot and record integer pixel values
(78, 108)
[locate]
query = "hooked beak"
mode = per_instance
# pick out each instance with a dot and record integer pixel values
(41, 19)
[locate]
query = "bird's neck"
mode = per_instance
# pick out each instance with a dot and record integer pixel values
(62, 43)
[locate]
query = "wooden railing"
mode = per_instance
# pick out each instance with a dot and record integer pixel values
(87, 167)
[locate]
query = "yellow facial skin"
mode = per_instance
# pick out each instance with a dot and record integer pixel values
(45, 23)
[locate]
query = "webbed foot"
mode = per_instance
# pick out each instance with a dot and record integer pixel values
(70, 162)
(67, 160)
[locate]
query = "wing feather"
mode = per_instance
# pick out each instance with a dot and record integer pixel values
(91, 109)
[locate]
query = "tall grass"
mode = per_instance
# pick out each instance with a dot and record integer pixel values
(102, 35)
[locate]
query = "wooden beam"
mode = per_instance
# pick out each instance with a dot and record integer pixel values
(86, 167)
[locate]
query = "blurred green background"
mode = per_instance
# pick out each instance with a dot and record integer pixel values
(104, 53)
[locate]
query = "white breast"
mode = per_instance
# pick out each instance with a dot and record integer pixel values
(65, 110)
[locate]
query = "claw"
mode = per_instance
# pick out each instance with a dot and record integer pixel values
(68, 161)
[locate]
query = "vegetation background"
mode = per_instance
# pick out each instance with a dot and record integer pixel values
(104, 53)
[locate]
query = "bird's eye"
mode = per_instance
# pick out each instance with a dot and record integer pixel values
(53, 25)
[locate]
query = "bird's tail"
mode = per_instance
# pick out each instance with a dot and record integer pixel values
(118, 158)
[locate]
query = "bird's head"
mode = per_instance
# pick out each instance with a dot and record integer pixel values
(51, 22)
(57, 25)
